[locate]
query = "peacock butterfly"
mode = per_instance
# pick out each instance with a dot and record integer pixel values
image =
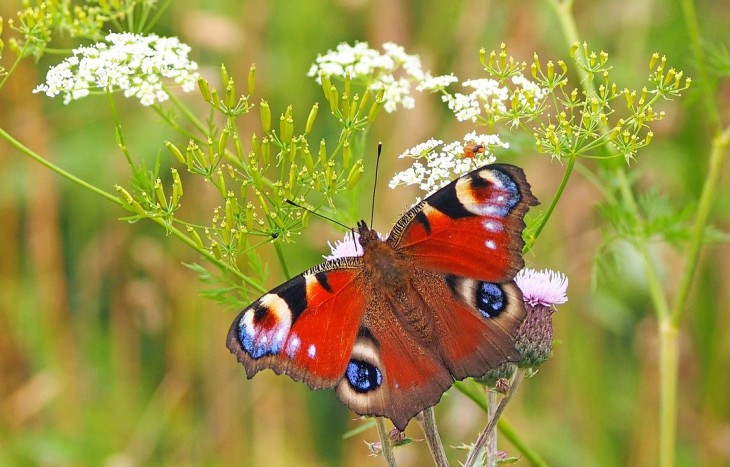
(392, 329)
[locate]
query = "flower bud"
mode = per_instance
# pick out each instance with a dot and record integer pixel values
(251, 79)
(265, 111)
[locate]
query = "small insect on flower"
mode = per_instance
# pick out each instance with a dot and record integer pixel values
(436, 164)
(471, 149)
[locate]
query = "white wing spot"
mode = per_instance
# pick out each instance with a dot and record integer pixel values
(491, 245)
(492, 226)
(312, 351)
(293, 346)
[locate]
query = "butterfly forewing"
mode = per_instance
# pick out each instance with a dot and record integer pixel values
(472, 227)
(305, 328)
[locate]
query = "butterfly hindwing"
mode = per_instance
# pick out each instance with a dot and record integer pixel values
(472, 227)
(305, 327)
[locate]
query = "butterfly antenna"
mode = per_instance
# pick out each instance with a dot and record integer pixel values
(375, 183)
(288, 201)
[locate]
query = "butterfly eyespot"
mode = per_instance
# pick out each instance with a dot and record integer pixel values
(490, 299)
(263, 329)
(362, 376)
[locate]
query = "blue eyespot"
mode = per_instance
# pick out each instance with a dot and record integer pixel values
(363, 376)
(490, 299)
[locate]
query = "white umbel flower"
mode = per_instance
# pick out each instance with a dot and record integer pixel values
(136, 64)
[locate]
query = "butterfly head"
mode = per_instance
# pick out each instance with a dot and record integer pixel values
(367, 235)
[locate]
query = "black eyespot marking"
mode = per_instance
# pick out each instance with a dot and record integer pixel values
(294, 293)
(259, 313)
(362, 376)
(447, 201)
(452, 282)
(477, 181)
(322, 280)
(490, 299)
(365, 333)
(423, 220)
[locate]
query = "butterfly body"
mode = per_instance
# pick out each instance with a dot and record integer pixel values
(392, 329)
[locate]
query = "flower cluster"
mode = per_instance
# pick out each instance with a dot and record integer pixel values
(436, 164)
(488, 96)
(378, 70)
(132, 63)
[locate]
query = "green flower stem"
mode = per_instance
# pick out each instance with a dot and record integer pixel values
(427, 420)
(668, 369)
(84, 184)
(505, 428)
(510, 434)
(704, 81)
(114, 199)
(530, 242)
(118, 130)
(282, 259)
(9, 72)
(484, 435)
(709, 193)
(184, 109)
(492, 437)
(385, 445)
(160, 10)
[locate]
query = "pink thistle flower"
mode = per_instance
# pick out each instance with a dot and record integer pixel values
(544, 287)
(541, 291)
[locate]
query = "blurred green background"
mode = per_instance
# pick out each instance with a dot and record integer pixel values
(108, 355)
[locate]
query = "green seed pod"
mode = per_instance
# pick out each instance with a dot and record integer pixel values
(251, 79)
(265, 116)
(175, 152)
(204, 88)
(355, 173)
(311, 118)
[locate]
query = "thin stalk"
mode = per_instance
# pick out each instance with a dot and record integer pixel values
(427, 420)
(82, 183)
(492, 437)
(530, 242)
(385, 446)
(668, 369)
(282, 259)
(190, 116)
(704, 81)
(504, 427)
(118, 130)
(483, 436)
(156, 17)
(510, 434)
(10, 70)
(709, 193)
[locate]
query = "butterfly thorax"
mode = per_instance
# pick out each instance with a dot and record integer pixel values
(389, 274)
